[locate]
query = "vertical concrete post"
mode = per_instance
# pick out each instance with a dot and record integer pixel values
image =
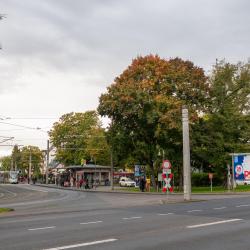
(186, 155)
(47, 164)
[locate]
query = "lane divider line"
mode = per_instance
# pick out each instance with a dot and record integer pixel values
(40, 228)
(213, 223)
(38, 190)
(244, 205)
(82, 244)
(166, 214)
(218, 208)
(91, 222)
(192, 211)
(131, 218)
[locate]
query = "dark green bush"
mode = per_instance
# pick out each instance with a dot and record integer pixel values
(202, 180)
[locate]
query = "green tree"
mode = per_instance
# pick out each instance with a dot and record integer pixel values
(225, 128)
(36, 159)
(144, 104)
(79, 136)
(5, 163)
(16, 157)
(97, 147)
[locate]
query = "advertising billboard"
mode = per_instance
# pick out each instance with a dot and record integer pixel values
(241, 167)
(139, 170)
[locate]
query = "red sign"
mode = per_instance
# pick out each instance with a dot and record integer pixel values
(167, 179)
(210, 176)
(166, 167)
(247, 175)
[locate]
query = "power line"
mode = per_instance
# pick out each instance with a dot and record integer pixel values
(32, 118)
(22, 126)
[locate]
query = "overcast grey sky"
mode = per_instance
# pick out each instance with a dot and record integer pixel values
(58, 56)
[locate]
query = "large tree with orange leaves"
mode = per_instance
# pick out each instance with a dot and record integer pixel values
(145, 101)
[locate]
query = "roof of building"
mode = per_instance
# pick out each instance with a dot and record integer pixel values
(87, 166)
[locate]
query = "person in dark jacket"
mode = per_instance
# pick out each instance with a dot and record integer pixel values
(87, 184)
(142, 184)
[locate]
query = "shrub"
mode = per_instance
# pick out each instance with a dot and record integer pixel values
(202, 180)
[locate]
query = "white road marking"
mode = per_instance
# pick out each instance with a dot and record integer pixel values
(244, 205)
(40, 228)
(166, 214)
(131, 218)
(91, 222)
(82, 244)
(38, 190)
(14, 194)
(213, 223)
(218, 208)
(34, 189)
(192, 211)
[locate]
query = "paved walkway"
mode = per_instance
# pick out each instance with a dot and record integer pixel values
(162, 197)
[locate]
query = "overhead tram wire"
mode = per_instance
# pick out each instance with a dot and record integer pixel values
(32, 118)
(22, 126)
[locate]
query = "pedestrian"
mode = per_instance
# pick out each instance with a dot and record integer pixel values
(80, 183)
(71, 181)
(87, 184)
(142, 184)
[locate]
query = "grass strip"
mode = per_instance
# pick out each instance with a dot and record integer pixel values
(215, 189)
(4, 210)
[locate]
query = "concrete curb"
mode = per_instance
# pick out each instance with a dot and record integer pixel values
(103, 191)
(141, 193)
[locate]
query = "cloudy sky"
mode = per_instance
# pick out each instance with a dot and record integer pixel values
(58, 56)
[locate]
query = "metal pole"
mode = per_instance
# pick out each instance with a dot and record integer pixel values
(233, 171)
(112, 170)
(29, 176)
(228, 178)
(12, 163)
(47, 164)
(186, 155)
(95, 182)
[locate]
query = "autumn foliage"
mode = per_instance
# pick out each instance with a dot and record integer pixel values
(145, 101)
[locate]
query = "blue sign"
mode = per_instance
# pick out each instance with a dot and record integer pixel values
(139, 170)
(241, 167)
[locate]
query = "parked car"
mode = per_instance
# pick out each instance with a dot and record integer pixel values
(126, 182)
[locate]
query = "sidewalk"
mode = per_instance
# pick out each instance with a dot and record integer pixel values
(104, 189)
(161, 197)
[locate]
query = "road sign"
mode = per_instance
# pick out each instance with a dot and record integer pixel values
(167, 179)
(166, 167)
(210, 176)
(166, 164)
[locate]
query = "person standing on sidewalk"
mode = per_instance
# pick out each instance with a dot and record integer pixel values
(80, 183)
(142, 184)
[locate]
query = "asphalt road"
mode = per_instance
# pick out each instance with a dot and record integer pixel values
(46, 218)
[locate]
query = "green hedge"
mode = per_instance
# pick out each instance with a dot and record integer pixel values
(202, 180)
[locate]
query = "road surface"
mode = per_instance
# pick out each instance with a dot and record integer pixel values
(46, 218)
